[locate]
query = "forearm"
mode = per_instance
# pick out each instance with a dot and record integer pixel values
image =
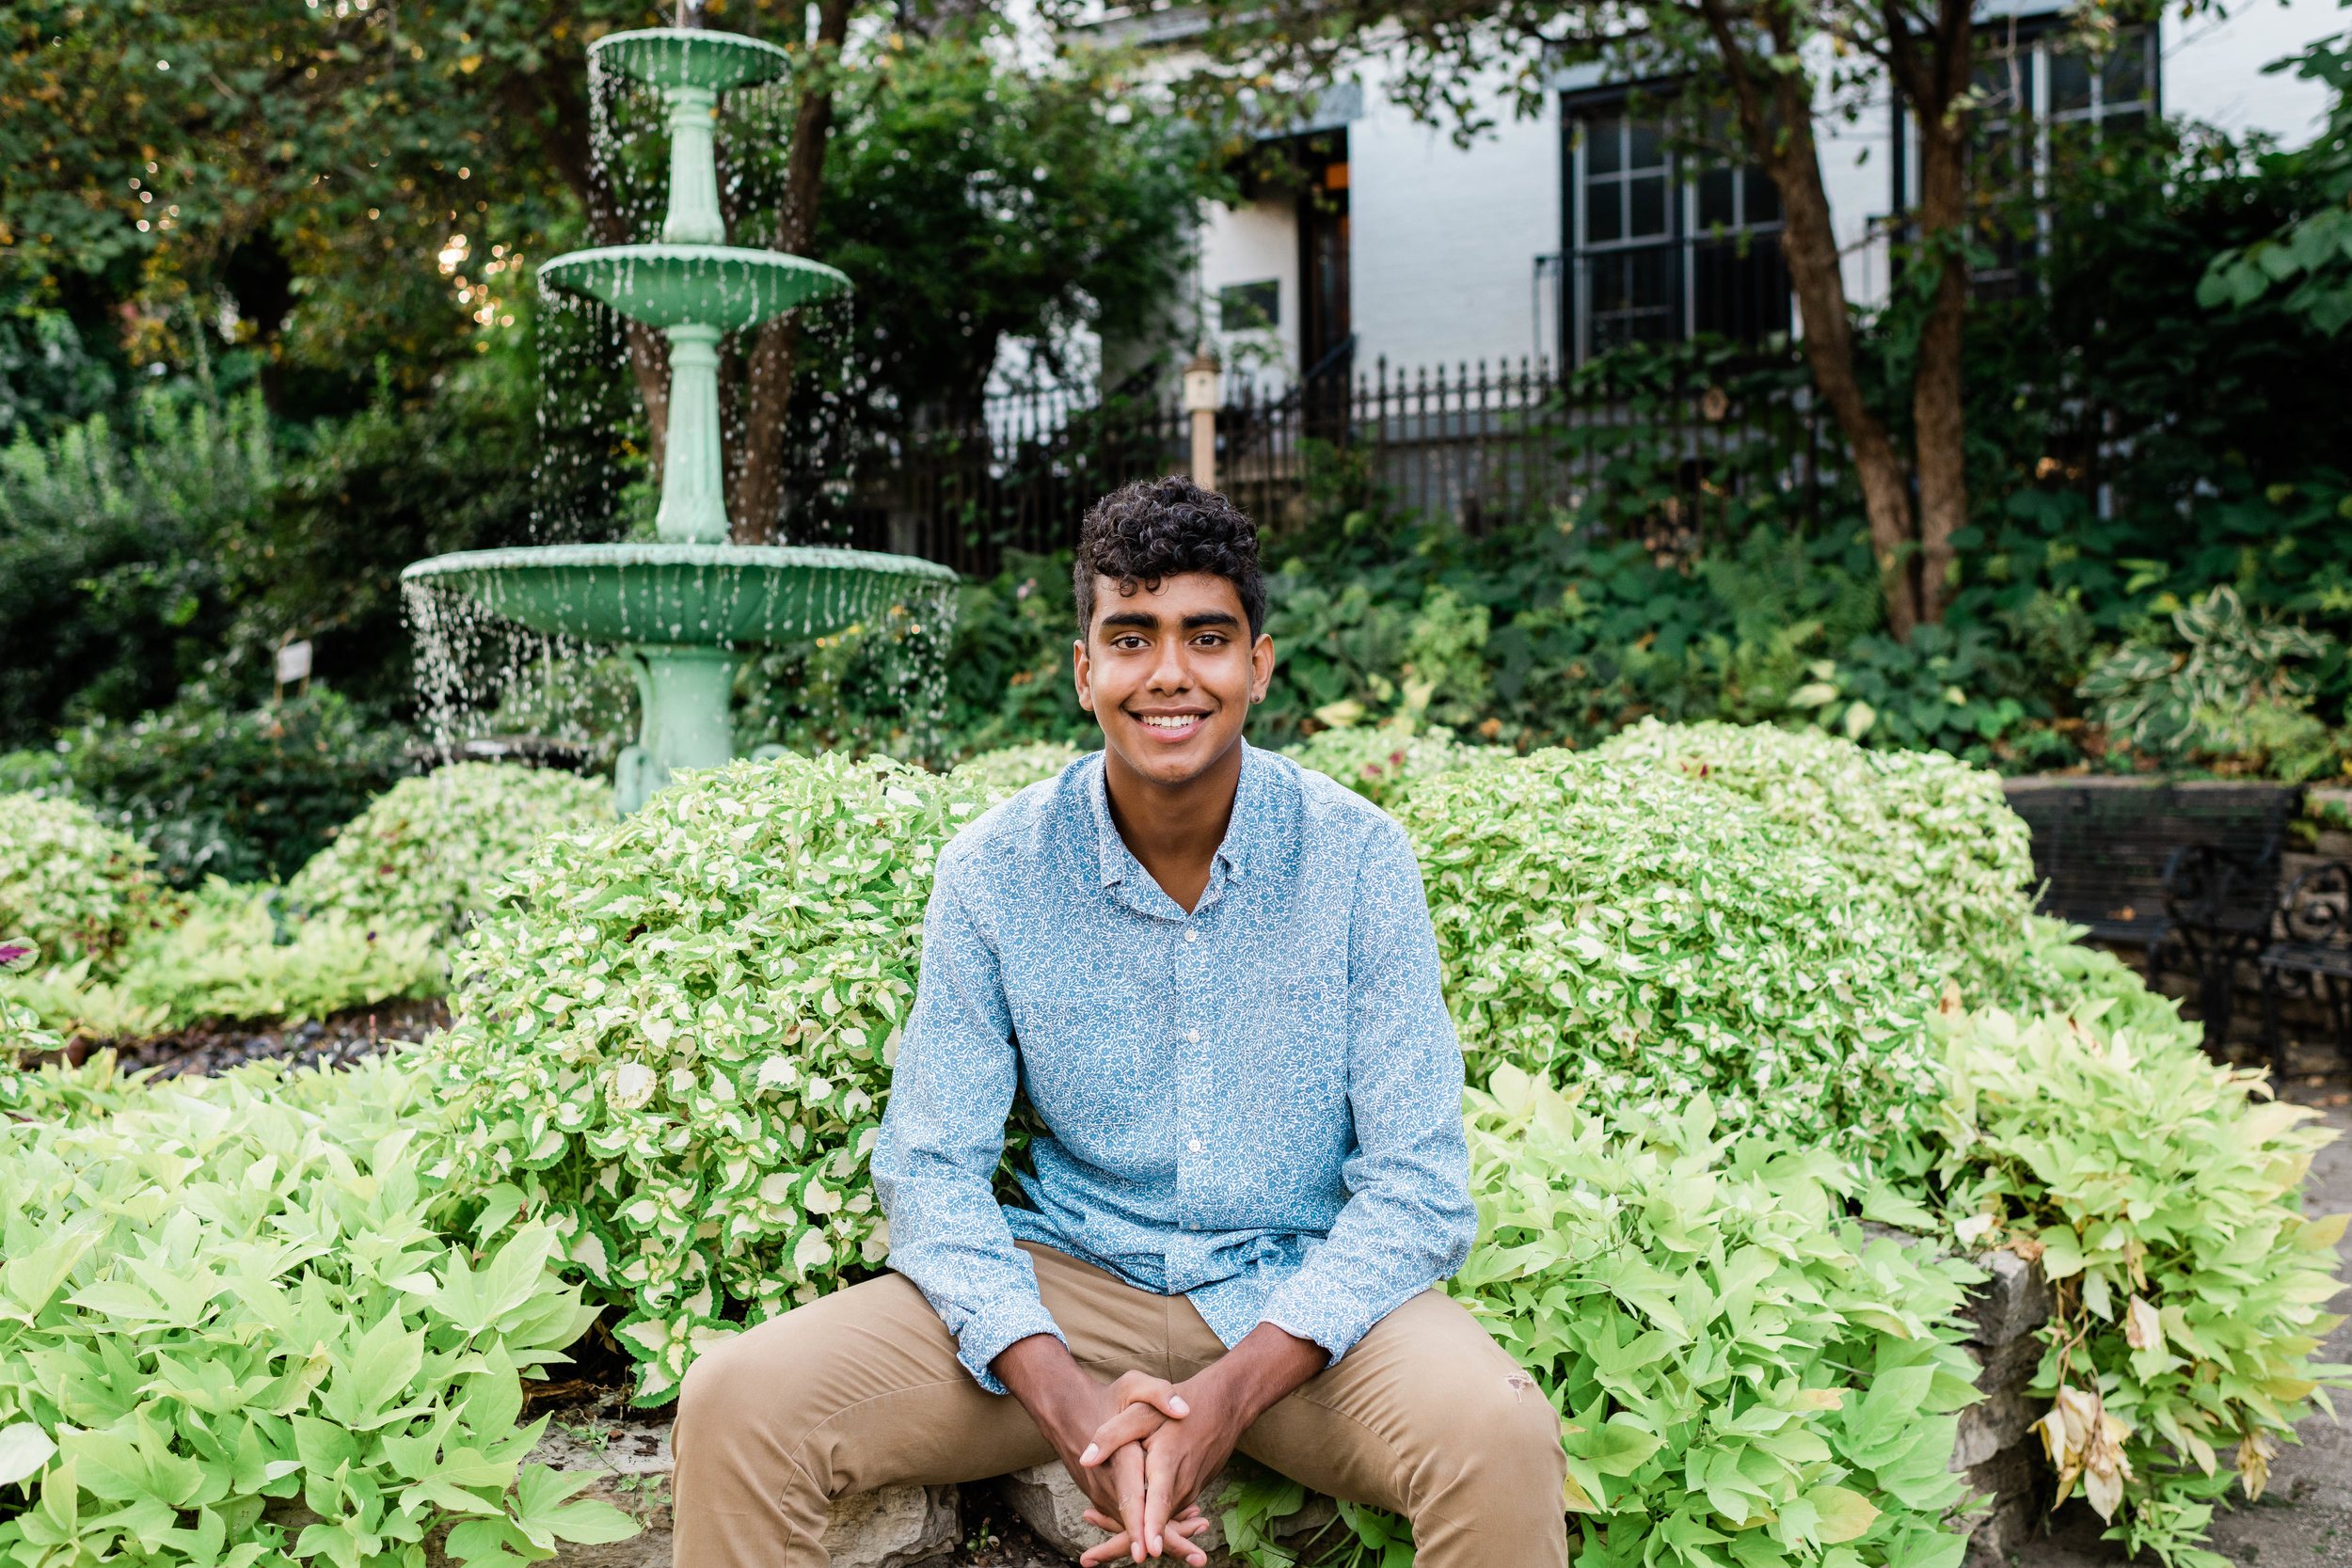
(1059, 1395)
(1267, 1366)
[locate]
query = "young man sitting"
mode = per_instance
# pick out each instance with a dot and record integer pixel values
(1213, 976)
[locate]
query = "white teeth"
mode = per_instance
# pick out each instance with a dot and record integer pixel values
(1168, 721)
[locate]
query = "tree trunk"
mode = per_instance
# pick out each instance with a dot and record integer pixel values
(1776, 123)
(1934, 86)
(758, 468)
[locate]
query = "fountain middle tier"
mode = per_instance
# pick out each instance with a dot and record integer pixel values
(695, 285)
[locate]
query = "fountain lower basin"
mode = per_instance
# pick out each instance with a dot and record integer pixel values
(710, 596)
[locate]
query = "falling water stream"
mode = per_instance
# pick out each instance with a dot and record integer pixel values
(682, 609)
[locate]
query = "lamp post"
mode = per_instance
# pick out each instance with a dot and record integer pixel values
(1200, 400)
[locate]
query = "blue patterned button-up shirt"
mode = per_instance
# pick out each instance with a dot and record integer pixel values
(1256, 1106)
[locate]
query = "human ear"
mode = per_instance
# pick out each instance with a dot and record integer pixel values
(1082, 673)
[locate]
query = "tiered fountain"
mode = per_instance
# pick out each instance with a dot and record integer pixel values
(686, 610)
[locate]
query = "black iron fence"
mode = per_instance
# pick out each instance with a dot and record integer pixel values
(1673, 453)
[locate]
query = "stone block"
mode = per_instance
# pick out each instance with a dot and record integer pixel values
(2011, 1482)
(2012, 1303)
(897, 1527)
(1050, 1503)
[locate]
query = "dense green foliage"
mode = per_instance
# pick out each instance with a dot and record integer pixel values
(1015, 766)
(1929, 840)
(2156, 1190)
(677, 1047)
(1656, 939)
(212, 790)
(435, 852)
(1380, 762)
(238, 1331)
(1733, 1359)
(74, 887)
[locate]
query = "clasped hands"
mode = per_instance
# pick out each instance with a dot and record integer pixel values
(1141, 1447)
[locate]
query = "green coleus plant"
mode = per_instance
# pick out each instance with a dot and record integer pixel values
(2157, 1192)
(674, 1051)
(1017, 766)
(1743, 1375)
(435, 852)
(1616, 925)
(232, 1332)
(1380, 762)
(1929, 839)
(79, 889)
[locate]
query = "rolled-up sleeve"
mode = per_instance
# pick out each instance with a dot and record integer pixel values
(942, 1136)
(1408, 1221)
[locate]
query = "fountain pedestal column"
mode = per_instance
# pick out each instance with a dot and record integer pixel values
(693, 493)
(683, 697)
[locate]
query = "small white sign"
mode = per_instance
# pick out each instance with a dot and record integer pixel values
(294, 663)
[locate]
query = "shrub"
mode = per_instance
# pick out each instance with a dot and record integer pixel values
(1379, 762)
(2157, 1191)
(676, 1046)
(1660, 938)
(1732, 1358)
(229, 1300)
(1016, 767)
(232, 957)
(1930, 839)
(435, 852)
(247, 795)
(74, 887)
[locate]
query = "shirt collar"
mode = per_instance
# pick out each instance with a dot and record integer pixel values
(1252, 801)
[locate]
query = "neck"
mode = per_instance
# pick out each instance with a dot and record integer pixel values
(1173, 829)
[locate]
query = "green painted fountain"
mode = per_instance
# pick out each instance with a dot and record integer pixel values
(687, 608)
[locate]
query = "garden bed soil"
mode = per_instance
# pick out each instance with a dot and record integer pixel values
(339, 1039)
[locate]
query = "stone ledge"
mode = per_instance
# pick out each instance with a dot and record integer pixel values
(913, 1527)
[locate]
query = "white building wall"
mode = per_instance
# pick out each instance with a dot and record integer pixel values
(1444, 239)
(2213, 67)
(1252, 243)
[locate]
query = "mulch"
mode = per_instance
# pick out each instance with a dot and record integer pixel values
(215, 1046)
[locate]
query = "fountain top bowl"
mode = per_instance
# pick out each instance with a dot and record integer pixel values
(708, 595)
(691, 57)
(710, 285)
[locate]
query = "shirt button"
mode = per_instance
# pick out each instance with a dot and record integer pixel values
(1192, 936)
(1195, 1146)
(1193, 1037)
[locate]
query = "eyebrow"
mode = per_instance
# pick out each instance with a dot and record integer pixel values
(1145, 621)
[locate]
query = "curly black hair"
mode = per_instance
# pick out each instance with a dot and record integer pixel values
(1154, 529)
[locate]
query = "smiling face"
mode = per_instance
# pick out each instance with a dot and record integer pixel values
(1170, 673)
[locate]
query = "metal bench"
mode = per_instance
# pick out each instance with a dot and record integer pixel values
(2313, 958)
(2188, 870)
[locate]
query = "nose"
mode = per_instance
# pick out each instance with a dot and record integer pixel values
(1171, 670)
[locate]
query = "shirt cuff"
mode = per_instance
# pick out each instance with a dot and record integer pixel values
(986, 1334)
(1330, 1319)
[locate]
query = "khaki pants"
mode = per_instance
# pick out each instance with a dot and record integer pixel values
(1425, 1417)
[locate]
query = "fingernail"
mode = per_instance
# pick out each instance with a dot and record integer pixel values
(1089, 1457)
(1178, 1405)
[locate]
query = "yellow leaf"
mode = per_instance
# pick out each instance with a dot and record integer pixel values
(1820, 1399)
(2319, 1233)
(2142, 1329)
(469, 64)
(1844, 1513)
(1575, 1497)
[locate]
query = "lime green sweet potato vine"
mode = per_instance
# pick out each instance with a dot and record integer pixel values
(1743, 1377)
(677, 1047)
(2157, 1191)
(230, 1334)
